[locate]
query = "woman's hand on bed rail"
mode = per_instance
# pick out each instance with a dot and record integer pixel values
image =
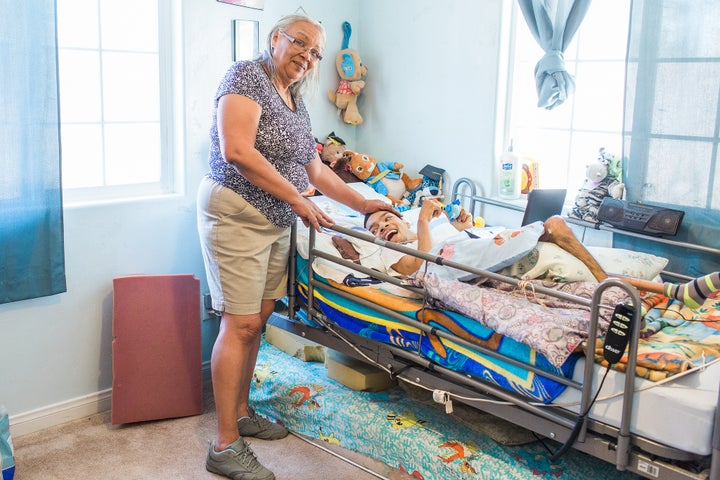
(311, 215)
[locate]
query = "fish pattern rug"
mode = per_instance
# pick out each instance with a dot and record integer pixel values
(404, 433)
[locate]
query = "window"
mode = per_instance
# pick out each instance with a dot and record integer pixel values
(674, 104)
(566, 139)
(115, 97)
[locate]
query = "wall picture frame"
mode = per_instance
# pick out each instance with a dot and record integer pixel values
(256, 4)
(245, 39)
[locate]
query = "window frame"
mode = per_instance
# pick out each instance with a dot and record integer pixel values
(506, 130)
(170, 122)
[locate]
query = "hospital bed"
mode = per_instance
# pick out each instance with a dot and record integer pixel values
(659, 423)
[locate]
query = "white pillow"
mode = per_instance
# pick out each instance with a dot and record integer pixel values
(629, 263)
(552, 262)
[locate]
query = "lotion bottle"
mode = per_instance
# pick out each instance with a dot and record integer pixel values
(510, 175)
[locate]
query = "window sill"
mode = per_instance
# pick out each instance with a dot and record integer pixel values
(106, 202)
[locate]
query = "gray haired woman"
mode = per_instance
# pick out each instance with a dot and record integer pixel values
(262, 156)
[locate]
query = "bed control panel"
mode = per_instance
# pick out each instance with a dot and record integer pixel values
(638, 217)
(618, 333)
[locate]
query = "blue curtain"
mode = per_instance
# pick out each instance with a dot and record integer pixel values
(553, 23)
(672, 122)
(32, 262)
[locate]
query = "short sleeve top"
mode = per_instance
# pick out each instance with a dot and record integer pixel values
(284, 138)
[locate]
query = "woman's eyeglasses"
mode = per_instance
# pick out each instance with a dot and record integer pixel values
(300, 46)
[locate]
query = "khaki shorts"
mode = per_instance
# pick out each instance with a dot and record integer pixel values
(245, 255)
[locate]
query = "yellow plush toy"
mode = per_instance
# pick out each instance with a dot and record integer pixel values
(351, 70)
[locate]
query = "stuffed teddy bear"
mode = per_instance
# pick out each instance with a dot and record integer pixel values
(332, 150)
(331, 153)
(351, 70)
(384, 177)
(603, 179)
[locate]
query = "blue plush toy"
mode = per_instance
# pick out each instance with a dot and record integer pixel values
(453, 210)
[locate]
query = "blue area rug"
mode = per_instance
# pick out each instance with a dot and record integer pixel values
(399, 431)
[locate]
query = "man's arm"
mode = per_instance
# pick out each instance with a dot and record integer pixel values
(463, 221)
(410, 264)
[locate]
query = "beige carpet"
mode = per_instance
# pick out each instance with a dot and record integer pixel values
(91, 448)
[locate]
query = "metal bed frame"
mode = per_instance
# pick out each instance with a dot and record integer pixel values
(616, 445)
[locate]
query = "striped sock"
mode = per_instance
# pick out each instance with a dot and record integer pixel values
(693, 294)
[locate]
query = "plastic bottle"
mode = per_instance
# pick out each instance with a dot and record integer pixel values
(510, 175)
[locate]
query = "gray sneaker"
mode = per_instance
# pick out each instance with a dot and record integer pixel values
(237, 462)
(260, 427)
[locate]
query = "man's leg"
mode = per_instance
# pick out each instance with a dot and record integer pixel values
(692, 294)
(559, 233)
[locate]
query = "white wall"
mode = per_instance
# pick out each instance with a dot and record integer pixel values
(432, 83)
(430, 99)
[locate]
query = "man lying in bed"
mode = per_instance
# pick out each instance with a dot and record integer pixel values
(504, 249)
(432, 231)
(395, 229)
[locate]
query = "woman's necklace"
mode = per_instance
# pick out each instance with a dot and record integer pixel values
(285, 95)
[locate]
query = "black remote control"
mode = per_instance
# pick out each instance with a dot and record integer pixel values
(618, 334)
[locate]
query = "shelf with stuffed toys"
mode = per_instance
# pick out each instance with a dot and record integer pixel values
(603, 186)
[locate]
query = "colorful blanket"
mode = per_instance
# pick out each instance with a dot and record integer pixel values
(675, 338)
(556, 331)
(368, 323)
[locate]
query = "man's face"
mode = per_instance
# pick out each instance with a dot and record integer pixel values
(389, 227)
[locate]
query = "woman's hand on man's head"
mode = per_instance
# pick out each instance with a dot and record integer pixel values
(370, 206)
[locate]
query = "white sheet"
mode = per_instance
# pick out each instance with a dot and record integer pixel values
(679, 413)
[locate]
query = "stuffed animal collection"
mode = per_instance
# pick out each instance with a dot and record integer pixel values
(351, 70)
(603, 179)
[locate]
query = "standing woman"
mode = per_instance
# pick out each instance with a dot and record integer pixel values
(262, 155)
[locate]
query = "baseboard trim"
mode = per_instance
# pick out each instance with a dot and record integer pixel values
(68, 411)
(59, 413)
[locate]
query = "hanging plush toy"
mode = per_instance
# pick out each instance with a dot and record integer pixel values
(351, 69)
